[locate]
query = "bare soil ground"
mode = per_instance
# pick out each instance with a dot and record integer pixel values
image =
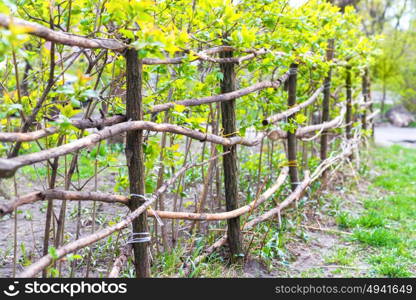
(31, 221)
(315, 257)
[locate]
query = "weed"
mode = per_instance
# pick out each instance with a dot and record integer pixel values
(345, 220)
(370, 220)
(341, 257)
(379, 237)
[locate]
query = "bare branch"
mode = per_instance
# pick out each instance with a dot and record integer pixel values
(280, 116)
(62, 37)
(223, 97)
(120, 261)
(80, 124)
(302, 132)
(9, 166)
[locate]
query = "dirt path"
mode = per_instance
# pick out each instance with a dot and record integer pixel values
(387, 135)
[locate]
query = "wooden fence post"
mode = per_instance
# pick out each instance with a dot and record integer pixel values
(325, 102)
(291, 137)
(348, 116)
(371, 108)
(365, 98)
(228, 84)
(135, 161)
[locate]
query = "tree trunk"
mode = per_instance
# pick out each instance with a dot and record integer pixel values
(135, 160)
(291, 137)
(228, 84)
(325, 102)
(371, 105)
(365, 97)
(348, 117)
(383, 99)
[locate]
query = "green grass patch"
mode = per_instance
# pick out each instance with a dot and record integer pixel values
(387, 223)
(390, 265)
(370, 220)
(378, 237)
(342, 256)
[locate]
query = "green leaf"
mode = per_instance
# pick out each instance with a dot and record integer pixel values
(300, 118)
(52, 252)
(179, 108)
(90, 94)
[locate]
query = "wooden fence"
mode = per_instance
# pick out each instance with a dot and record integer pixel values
(133, 124)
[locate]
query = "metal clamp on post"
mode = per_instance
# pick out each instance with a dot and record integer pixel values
(139, 237)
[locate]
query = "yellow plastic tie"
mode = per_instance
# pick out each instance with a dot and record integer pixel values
(291, 163)
(228, 134)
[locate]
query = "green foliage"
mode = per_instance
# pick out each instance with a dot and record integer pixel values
(390, 266)
(377, 237)
(301, 32)
(342, 256)
(166, 29)
(52, 252)
(396, 41)
(369, 220)
(344, 220)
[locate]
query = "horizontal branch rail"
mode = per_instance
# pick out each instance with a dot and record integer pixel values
(80, 124)
(9, 166)
(334, 123)
(74, 40)
(54, 194)
(204, 55)
(223, 97)
(61, 37)
(99, 123)
(302, 132)
(109, 198)
(287, 113)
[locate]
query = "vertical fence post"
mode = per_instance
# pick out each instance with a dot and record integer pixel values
(348, 116)
(291, 137)
(228, 84)
(365, 98)
(135, 160)
(371, 108)
(325, 102)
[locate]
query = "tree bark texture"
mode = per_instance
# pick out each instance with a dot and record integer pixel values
(348, 119)
(291, 137)
(228, 84)
(326, 101)
(135, 159)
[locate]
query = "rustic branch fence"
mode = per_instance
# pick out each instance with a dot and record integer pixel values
(133, 124)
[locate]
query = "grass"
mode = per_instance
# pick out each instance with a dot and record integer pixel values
(385, 227)
(170, 264)
(370, 219)
(390, 266)
(378, 237)
(342, 256)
